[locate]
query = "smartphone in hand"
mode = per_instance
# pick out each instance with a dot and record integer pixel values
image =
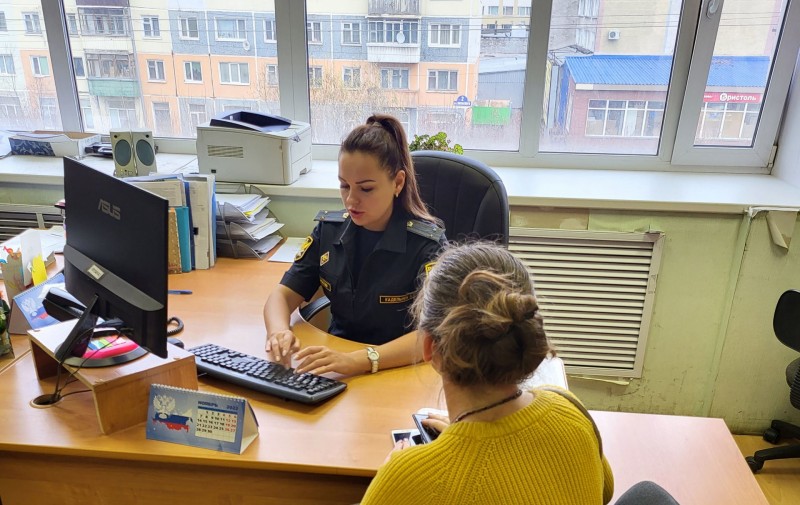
(427, 434)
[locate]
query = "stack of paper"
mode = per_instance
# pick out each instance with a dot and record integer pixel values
(244, 227)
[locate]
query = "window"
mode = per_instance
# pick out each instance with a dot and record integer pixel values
(77, 65)
(48, 107)
(231, 29)
(122, 112)
(524, 11)
(6, 64)
(72, 24)
(110, 65)
(445, 35)
(351, 77)
(351, 33)
(11, 111)
(394, 78)
(269, 30)
(508, 11)
(3, 24)
(234, 73)
(492, 10)
(442, 80)
(39, 65)
(162, 121)
(197, 114)
(394, 32)
(103, 21)
(32, 24)
(189, 28)
(87, 113)
(151, 27)
(734, 119)
(155, 70)
(272, 75)
(314, 29)
(315, 77)
(192, 71)
(628, 118)
(588, 8)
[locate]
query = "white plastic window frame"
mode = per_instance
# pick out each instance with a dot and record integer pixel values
(683, 104)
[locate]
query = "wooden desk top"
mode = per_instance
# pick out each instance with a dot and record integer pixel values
(696, 459)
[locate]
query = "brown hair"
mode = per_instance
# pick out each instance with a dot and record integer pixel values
(478, 306)
(383, 137)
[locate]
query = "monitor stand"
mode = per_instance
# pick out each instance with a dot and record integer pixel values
(106, 348)
(121, 393)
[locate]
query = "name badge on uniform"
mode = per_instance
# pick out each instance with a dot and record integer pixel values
(384, 299)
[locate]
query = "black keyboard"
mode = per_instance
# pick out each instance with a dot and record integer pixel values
(263, 375)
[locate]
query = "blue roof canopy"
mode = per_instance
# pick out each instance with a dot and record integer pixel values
(654, 70)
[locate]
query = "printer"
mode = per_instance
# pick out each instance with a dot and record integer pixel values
(246, 146)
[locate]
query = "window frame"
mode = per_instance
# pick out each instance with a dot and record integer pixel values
(156, 65)
(230, 66)
(36, 66)
(314, 32)
(185, 29)
(453, 31)
(694, 43)
(5, 58)
(155, 26)
(390, 77)
(436, 75)
(189, 72)
(239, 31)
(347, 27)
(271, 23)
(3, 22)
(35, 25)
(355, 74)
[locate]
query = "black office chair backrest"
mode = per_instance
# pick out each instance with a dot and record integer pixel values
(786, 321)
(465, 194)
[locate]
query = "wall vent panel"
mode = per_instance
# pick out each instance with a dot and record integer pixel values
(596, 291)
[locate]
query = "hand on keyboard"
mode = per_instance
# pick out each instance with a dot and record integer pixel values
(319, 360)
(263, 375)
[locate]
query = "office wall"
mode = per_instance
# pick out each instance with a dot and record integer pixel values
(710, 350)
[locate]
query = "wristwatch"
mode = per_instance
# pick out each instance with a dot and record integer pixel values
(373, 357)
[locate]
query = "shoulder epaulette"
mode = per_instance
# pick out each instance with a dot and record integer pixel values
(424, 228)
(332, 216)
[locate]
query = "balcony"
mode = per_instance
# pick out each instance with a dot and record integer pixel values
(393, 53)
(113, 87)
(394, 8)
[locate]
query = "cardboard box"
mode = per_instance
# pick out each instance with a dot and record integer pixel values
(47, 143)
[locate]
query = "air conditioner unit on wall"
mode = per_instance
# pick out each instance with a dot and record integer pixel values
(613, 35)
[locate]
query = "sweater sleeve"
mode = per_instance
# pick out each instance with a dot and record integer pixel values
(608, 481)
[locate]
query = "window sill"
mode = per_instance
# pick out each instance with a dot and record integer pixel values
(564, 188)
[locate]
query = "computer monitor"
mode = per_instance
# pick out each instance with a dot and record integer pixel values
(116, 250)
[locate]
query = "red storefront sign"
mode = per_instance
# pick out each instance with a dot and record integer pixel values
(732, 97)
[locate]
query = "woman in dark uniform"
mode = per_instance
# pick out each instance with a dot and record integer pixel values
(367, 258)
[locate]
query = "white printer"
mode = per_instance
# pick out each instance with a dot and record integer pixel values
(246, 146)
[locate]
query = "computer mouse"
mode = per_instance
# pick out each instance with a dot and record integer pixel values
(175, 341)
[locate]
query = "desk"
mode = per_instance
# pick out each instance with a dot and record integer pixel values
(304, 454)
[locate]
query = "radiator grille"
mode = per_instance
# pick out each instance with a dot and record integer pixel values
(14, 219)
(596, 294)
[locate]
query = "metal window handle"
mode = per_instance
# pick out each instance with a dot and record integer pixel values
(712, 7)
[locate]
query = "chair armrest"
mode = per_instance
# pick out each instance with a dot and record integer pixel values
(311, 310)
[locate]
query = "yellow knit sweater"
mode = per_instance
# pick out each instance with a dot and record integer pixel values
(546, 453)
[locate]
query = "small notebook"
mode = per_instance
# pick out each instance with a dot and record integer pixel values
(199, 419)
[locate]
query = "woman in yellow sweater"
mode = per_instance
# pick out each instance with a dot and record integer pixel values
(482, 332)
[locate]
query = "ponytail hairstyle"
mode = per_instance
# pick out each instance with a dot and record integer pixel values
(478, 306)
(383, 137)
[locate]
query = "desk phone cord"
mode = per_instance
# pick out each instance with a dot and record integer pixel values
(178, 326)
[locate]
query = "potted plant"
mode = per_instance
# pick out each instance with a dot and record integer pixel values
(438, 142)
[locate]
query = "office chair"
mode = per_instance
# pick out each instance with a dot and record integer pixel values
(786, 323)
(467, 195)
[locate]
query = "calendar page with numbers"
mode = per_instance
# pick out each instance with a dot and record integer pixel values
(207, 420)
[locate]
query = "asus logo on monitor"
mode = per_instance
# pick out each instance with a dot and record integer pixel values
(106, 208)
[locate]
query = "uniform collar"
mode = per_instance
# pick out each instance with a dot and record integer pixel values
(394, 236)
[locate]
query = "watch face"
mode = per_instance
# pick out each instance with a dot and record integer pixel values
(372, 354)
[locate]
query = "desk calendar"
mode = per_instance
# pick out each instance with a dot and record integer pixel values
(207, 420)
